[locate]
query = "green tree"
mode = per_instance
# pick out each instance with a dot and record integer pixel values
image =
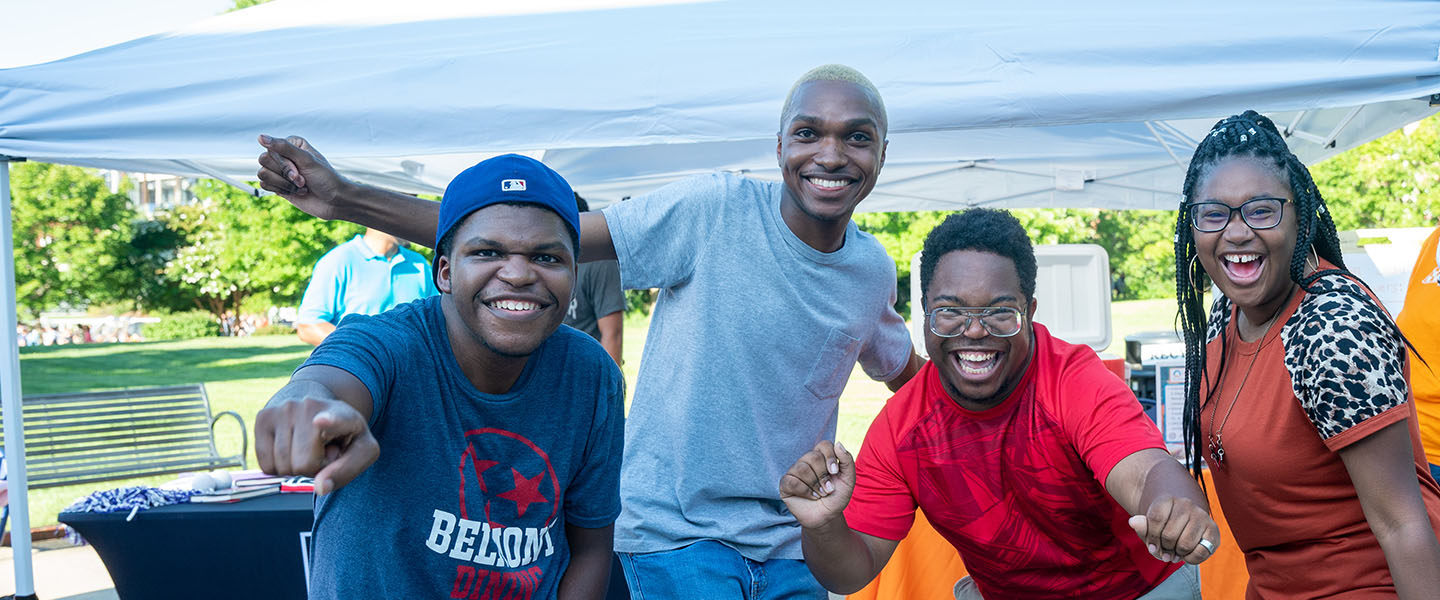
(71, 238)
(1121, 233)
(235, 246)
(1138, 243)
(152, 247)
(1142, 251)
(1059, 225)
(1393, 181)
(243, 4)
(903, 235)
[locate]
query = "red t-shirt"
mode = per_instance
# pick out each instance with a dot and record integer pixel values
(1018, 489)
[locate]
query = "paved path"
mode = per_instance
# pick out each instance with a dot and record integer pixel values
(65, 572)
(62, 572)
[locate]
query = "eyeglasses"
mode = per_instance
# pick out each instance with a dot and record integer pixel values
(999, 321)
(1260, 213)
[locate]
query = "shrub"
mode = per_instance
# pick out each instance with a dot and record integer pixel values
(639, 302)
(180, 326)
(274, 329)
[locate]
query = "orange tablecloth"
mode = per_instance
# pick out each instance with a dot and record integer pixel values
(926, 566)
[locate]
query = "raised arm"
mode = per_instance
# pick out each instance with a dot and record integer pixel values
(1169, 510)
(816, 489)
(1382, 467)
(294, 169)
(317, 426)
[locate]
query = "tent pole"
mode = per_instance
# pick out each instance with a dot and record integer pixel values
(10, 394)
(1330, 141)
(1189, 141)
(1289, 129)
(217, 175)
(1166, 146)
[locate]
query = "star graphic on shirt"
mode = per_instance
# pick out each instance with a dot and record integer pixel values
(526, 492)
(481, 466)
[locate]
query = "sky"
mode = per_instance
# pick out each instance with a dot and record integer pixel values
(34, 31)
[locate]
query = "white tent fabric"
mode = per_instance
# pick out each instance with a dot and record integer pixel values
(1062, 104)
(1047, 103)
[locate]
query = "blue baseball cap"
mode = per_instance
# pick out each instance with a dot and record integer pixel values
(506, 178)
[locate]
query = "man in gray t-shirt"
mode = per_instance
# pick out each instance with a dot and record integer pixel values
(769, 295)
(752, 340)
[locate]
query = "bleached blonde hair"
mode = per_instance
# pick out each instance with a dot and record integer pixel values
(835, 72)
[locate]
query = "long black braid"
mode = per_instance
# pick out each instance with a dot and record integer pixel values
(1248, 135)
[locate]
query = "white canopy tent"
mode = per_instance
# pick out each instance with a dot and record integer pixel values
(1061, 104)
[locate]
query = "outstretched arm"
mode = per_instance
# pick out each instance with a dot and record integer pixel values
(1382, 468)
(317, 426)
(297, 171)
(293, 168)
(816, 489)
(314, 333)
(1170, 512)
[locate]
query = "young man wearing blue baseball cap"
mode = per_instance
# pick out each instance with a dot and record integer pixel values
(502, 431)
(770, 296)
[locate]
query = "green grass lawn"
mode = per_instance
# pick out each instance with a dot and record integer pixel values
(240, 374)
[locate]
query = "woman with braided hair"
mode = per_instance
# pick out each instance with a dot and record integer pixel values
(1295, 390)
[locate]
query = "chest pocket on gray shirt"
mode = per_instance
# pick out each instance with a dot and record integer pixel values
(833, 365)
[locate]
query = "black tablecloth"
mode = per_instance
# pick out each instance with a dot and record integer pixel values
(246, 549)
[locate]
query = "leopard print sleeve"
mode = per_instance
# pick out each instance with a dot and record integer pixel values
(1219, 317)
(1345, 364)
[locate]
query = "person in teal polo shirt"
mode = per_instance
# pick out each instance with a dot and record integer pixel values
(367, 275)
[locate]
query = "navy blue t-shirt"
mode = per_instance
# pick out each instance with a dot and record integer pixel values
(472, 491)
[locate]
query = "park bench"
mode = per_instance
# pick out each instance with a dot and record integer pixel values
(88, 437)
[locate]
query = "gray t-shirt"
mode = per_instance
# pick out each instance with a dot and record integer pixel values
(752, 340)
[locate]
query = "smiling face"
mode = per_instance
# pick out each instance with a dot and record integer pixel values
(1251, 267)
(831, 147)
(977, 369)
(508, 274)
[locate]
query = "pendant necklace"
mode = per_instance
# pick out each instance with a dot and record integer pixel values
(1216, 443)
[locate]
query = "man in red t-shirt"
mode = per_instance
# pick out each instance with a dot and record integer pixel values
(1026, 454)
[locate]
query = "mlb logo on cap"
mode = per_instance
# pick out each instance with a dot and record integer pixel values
(509, 178)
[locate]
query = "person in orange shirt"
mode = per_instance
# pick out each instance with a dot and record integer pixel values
(1420, 320)
(1295, 385)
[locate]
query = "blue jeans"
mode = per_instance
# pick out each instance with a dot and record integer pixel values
(1435, 472)
(710, 569)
